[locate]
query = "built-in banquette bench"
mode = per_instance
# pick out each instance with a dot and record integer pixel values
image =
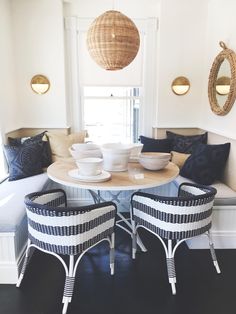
(13, 221)
(224, 211)
(13, 227)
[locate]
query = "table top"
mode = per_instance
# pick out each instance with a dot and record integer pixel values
(120, 181)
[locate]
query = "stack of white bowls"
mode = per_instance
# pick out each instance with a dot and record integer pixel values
(116, 156)
(135, 152)
(89, 166)
(154, 161)
(84, 150)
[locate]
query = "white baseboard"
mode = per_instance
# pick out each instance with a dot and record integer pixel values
(8, 273)
(10, 270)
(11, 257)
(221, 240)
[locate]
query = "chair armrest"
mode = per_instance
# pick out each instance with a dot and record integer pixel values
(187, 189)
(53, 198)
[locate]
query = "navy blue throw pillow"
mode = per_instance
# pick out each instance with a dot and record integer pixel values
(206, 164)
(155, 145)
(24, 160)
(186, 143)
(46, 155)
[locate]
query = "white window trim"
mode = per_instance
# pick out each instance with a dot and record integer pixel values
(140, 98)
(73, 27)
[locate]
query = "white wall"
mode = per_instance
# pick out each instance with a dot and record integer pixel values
(39, 49)
(181, 53)
(131, 8)
(181, 39)
(188, 36)
(221, 26)
(9, 118)
(145, 17)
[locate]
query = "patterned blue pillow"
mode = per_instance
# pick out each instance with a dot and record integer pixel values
(186, 143)
(155, 145)
(206, 164)
(46, 154)
(24, 160)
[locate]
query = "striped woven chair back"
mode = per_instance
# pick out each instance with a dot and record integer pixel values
(66, 230)
(181, 217)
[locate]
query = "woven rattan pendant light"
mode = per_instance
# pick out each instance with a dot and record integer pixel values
(113, 40)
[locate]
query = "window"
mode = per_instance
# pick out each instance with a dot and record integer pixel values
(111, 114)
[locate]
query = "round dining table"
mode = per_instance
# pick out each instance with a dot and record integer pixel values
(136, 178)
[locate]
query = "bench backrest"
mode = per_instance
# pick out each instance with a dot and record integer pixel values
(25, 132)
(229, 177)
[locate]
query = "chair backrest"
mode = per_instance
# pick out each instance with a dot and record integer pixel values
(181, 217)
(66, 230)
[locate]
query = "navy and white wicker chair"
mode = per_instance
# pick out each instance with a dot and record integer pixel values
(174, 218)
(57, 229)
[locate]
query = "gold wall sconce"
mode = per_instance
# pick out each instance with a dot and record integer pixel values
(223, 85)
(180, 85)
(40, 84)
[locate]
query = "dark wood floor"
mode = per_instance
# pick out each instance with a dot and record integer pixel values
(138, 287)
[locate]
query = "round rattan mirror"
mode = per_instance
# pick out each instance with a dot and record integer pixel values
(224, 65)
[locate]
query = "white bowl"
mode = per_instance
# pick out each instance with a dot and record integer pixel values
(82, 150)
(77, 154)
(84, 146)
(89, 166)
(154, 161)
(116, 156)
(136, 150)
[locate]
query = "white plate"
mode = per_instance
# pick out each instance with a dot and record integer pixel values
(104, 176)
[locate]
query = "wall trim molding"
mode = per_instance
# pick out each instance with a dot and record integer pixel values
(10, 264)
(221, 239)
(204, 128)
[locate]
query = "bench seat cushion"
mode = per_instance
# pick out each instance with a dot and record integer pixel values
(12, 193)
(225, 195)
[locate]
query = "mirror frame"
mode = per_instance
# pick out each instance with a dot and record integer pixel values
(229, 55)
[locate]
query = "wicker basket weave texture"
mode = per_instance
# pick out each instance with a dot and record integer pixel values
(113, 40)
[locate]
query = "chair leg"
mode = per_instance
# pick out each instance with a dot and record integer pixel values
(213, 253)
(69, 285)
(134, 240)
(112, 253)
(24, 265)
(171, 267)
